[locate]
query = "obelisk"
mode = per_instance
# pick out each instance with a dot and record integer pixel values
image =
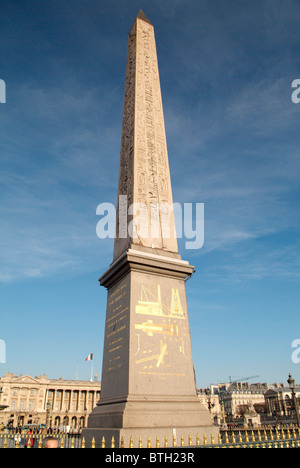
(148, 387)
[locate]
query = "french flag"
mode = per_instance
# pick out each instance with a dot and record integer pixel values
(89, 358)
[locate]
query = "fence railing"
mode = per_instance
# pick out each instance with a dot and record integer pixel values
(268, 437)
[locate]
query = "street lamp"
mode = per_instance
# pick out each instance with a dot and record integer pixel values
(292, 386)
(48, 415)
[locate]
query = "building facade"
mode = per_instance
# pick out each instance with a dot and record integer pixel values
(279, 401)
(46, 402)
(241, 397)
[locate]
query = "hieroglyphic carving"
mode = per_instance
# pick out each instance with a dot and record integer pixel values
(127, 143)
(144, 170)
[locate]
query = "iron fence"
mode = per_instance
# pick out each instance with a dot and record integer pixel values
(262, 437)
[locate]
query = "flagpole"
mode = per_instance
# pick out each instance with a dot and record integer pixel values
(92, 369)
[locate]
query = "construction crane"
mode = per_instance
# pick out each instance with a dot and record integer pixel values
(242, 379)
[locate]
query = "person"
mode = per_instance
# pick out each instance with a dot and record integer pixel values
(50, 442)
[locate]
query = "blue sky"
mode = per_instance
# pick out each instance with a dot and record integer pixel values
(233, 136)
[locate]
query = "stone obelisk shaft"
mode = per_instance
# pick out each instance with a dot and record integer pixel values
(144, 194)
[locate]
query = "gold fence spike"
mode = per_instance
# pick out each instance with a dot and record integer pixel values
(246, 437)
(122, 442)
(140, 443)
(212, 439)
(72, 443)
(149, 442)
(197, 440)
(220, 438)
(112, 444)
(83, 442)
(233, 437)
(93, 443)
(131, 442)
(5, 441)
(28, 443)
(103, 442)
(226, 438)
(240, 437)
(174, 441)
(166, 441)
(190, 440)
(204, 440)
(157, 442)
(182, 441)
(62, 443)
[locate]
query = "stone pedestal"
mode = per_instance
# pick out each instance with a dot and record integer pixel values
(148, 385)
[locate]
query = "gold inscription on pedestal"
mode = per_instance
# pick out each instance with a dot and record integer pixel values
(116, 325)
(147, 306)
(161, 334)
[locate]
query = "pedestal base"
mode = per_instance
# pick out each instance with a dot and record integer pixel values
(150, 421)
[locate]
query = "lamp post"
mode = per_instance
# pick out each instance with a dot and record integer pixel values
(48, 415)
(292, 386)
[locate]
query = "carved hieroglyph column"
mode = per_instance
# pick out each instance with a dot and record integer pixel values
(148, 384)
(145, 203)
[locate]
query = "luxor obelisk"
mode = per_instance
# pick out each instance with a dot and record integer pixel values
(148, 386)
